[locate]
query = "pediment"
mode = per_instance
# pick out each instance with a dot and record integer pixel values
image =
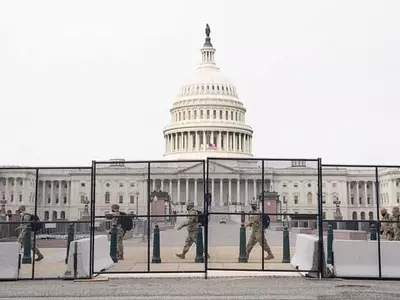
(213, 167)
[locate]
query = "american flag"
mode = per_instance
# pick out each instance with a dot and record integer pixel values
(211, 146)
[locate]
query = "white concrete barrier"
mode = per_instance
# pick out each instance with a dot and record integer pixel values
(358, 258)
(9, 260)
(390, 259)
(79, 257)
(355, 258)
(305, 257)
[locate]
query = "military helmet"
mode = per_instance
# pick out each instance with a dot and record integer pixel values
(383, 211)
(22, 208)
(115, 207)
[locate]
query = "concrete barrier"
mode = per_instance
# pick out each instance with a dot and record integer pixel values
(350, 235)
(9, 260)
(355, 258)
(305, 257)
(297, 230)
(79, 257)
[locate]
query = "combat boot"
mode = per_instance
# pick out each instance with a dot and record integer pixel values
(180, 255)
(40, 257)
(269, 256)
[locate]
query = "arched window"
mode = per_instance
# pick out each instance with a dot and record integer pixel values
(309, 198)
(362, 215)
(46, 215)
(54, 215)
(371, 215)
(107, 197)
(62, 215)
(354, 215)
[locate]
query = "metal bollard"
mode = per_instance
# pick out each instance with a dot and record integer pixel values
(27, 257)
(71, 234)
(242, 245)
(286, 246)
(199, 245)
(373, 236)
(156, 246)
(113, 244)
(329, 259)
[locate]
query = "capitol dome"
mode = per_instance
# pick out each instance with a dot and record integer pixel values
(207, 119)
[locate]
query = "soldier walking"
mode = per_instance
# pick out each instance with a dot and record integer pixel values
(396, 226)
(386, 227)
(191, 224)
(255, 223)
(25, 217)
(116, 220)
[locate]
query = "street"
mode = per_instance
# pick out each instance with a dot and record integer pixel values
(198, 288)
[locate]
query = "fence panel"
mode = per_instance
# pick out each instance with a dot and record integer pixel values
(124, 184)
(350, 218)
(289, 199)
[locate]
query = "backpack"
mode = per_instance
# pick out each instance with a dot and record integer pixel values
(125, 221)
(265, 221)
(201, 218)
(36, 225)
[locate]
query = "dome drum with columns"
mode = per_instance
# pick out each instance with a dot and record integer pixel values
(207, 120)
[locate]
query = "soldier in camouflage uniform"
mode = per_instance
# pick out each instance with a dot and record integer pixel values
(191, 224)
(25, 217)
(386, 228)
(120, 232)
(256, 232)
(396, 226)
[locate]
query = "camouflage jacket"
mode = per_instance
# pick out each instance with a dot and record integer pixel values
(191, 221)
(116, 219)
(386, 227)
(395, 226)
(255, 221)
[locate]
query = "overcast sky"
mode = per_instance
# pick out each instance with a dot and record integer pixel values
(94, 80)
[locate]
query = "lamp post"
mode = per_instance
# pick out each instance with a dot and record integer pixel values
(338, 214)
(285, 201)
(137, 204)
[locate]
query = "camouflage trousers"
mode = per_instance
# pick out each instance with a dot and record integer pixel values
(120, 245)
(256, 237)
(190, 239)
(21, 241)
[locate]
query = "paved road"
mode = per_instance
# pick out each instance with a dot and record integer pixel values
(212, 289)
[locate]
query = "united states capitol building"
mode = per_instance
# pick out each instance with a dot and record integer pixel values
(207, 120)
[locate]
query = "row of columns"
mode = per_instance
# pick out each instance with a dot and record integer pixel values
(199, 140)
(363, 192)
(52, 193)
(16, 192)
(221, 185)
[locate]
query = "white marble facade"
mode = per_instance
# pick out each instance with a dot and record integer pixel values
(62, 193)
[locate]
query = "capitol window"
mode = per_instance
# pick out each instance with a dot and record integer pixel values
(179, 116)
(217, 87)
(226, 114)
(208, 114)
(195, 114)
(201, 114)
(232, 115)
(82, 184)
(220, 114)
(132, 199)
(296, 199)
(334, 184)
(213, 87)
(214, 114)
(121, 184)
(107, 184)
(236, 118)
(184, 116)
(121, 199)
(107, 198)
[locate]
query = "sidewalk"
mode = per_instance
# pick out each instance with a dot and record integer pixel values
(53, 266)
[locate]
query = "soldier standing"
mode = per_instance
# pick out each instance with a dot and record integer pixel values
(396, 226)
(116, 220)
(25, 217)
(256, 232)
(386, 228)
